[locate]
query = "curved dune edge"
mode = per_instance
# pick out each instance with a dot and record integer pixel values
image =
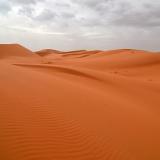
(79, 105)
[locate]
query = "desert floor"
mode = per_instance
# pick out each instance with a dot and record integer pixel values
(79, 105)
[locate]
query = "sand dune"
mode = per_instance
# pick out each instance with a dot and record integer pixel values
(46, 52)
(13, 50)
(84, 105)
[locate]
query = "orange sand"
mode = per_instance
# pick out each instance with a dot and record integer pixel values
(84, 105)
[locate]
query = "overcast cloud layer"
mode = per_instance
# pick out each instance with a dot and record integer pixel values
(81, 24)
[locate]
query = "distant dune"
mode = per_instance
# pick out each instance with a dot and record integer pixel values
(46, 52)
(79, 105)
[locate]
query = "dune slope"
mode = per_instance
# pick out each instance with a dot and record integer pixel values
(95, 105)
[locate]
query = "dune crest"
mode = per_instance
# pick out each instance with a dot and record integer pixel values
(79, 105)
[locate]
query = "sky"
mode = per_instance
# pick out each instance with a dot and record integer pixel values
(81, 24)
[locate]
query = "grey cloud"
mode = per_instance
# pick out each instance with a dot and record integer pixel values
(67, 15)
(46, 15)
(27, 11)
(90, 3)
(62, 5)
(148, 15)
(4, 7)
(100, 6)
(122, 13)
(49, 15)
(26, 6)
(24, 2)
